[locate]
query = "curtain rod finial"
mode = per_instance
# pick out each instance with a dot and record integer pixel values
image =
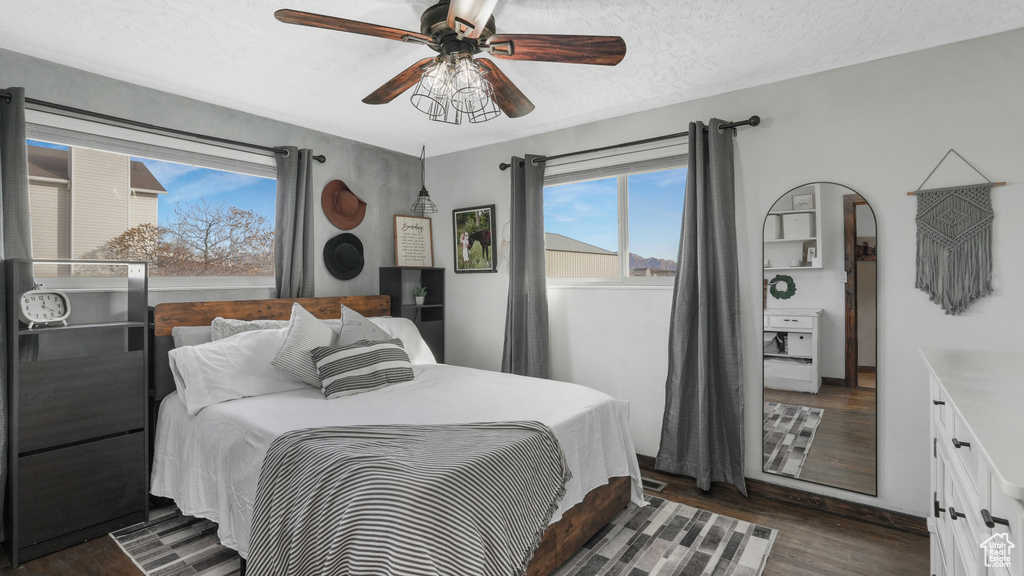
(320, 158)
(754, 120)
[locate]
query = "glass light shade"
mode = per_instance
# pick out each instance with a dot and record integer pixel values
(453, 88)
(433, 91)
(472, 16)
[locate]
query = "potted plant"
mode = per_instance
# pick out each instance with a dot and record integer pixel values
(420, 292)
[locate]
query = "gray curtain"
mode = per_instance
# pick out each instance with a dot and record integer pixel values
(293, 225)
(526, 349)
(16, 235)
(702, 428)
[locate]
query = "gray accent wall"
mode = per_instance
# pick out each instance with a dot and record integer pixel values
(388, 181)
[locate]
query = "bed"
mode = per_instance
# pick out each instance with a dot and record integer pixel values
(208, 463)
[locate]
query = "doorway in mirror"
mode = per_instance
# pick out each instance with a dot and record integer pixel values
(819, 357)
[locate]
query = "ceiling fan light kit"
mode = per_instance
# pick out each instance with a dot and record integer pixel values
(453, 86)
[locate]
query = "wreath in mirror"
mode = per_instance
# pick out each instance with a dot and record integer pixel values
(782, 287)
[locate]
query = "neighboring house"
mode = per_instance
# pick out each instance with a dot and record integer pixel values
(93, 196)
(568, 258)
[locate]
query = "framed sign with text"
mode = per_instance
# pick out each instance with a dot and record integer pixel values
(414, 244)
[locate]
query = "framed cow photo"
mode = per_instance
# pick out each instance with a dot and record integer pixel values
(474, 240)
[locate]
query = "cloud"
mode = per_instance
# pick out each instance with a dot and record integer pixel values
(168, 172)
(211, 183)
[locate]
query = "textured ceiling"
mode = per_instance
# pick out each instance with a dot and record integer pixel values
(235, 54)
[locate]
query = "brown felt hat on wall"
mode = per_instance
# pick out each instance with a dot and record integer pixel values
(343, 208)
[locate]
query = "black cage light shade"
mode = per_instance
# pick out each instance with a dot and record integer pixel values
(423, 204)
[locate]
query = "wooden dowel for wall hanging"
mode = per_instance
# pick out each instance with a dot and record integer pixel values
(993, 184)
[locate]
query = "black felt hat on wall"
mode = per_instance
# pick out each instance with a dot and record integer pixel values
(343, 256)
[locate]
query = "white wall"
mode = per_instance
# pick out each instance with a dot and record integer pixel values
(878, 128)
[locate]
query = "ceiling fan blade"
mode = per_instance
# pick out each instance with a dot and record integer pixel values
(392, 88)
(469, 17)
(508, 97)
(353, 26)
(601, 50)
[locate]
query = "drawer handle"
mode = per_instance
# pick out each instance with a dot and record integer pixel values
(991, 521)
(938, 402)
(958, 444)
(954, 514)
(937, 509)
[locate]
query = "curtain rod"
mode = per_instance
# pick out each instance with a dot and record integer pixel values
(152, 127)
(752, 121)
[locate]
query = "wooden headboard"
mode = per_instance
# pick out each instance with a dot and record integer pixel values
(171, 314)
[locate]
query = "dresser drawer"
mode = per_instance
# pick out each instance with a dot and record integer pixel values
(941, 410)
(73, 399)
(1006, 508)
(969, 454)
(68, 489)
(791, 322)
(967, 531)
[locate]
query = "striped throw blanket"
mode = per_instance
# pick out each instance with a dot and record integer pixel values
(397, 500)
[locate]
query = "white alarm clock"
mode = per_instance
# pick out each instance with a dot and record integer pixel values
(42, 306)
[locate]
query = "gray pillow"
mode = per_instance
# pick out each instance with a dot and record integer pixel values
(190, 335)
(355, 328)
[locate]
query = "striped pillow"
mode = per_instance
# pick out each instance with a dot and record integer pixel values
(361, 367)
(305, 332)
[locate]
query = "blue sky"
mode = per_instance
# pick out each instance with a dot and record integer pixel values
(187, 184)
(588, 212)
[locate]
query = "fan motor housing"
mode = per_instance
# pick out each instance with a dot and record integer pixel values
(434, 23)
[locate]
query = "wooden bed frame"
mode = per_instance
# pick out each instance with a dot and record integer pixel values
(561, 540)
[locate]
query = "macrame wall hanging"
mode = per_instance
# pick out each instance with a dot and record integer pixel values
(954, 241)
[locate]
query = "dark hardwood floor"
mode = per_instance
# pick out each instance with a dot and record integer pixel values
(808, 544)
(843, 452)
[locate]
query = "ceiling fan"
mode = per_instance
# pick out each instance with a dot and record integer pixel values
(453, 85)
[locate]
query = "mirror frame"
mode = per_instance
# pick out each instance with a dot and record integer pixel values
(850, 200)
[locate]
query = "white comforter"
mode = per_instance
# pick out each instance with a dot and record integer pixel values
(210, 463)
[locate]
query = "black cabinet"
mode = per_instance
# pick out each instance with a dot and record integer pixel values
(77, 396)
(429, 316)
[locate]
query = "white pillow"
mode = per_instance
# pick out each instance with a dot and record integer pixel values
(305, 332)
(227, 327)
(190, 335)
(406, 331)
(222, 328)
(228, 369)
(356, 328)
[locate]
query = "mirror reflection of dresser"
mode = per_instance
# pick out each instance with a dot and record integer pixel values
(819, 320)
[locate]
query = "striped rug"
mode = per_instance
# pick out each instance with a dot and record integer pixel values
(788, 433)
(662, 539)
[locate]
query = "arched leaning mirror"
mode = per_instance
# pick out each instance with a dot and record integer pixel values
(819, 338)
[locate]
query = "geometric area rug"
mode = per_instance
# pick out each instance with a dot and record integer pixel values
(788, 433)
(657, 540)
(667, 538)
(174, 545)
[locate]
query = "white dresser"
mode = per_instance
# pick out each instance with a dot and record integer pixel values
(977, 484)
(797, 366)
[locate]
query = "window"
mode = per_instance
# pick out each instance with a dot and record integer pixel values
(187, 213)
(594, 215)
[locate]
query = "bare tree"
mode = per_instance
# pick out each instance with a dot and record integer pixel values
(203, 239)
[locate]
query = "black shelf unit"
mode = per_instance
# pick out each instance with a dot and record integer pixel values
(429, 318)
(77, 395)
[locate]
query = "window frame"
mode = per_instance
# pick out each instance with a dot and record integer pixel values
(47, 126)
(660, 158)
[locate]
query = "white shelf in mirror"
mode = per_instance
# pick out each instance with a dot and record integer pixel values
(782, 249)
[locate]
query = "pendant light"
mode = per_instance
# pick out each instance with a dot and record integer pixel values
(423, 204)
